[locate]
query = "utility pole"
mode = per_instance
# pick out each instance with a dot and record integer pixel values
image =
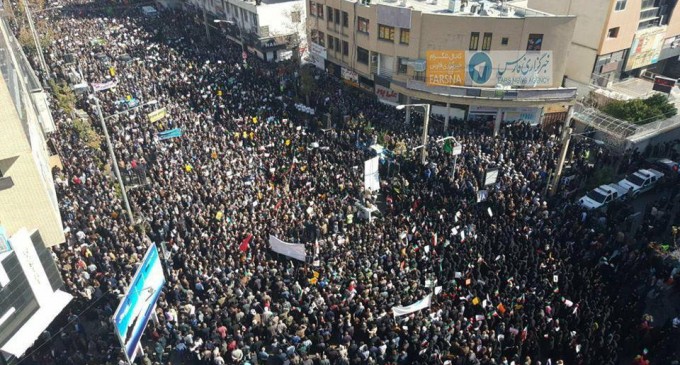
(205, 21)
(114, 160)
(566, 137)
(426, 125)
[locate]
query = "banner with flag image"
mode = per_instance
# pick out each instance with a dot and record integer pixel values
(172, 133)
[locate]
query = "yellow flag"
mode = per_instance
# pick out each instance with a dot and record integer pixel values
(245, 134)
(112, 71)
(219, 215)
(213, 155)
(475, 301)
(219, 92)
(288, 142)
(254, 120)
(252, 135)
(188, 168)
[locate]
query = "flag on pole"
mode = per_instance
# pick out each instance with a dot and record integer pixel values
(448, 147)
(243, 247)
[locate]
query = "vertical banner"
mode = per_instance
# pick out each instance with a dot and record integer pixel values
(371, 174)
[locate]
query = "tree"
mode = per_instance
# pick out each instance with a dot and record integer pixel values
(640, 111)
(307, 83)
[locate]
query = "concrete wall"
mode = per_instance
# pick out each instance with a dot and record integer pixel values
(627, 22)
(29, 203)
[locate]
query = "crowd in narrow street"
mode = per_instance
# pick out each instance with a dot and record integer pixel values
(525, 279)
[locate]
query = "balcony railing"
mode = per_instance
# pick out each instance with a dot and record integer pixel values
(554, 94)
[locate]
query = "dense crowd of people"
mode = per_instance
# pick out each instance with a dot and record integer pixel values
(524, 279)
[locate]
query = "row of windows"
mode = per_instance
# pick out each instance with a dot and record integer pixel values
(334, 15)
(386, 33)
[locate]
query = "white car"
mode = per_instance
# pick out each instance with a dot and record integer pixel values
(602, 195)
(641, 181)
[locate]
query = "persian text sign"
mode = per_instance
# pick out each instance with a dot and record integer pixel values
(510, 68)
(445, 68)
(386, 94)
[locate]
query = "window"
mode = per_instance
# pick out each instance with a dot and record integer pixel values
(385, 33)
(486, 41)
(337, 16)
(535, 42)
(329, 10)
(345, 19)
(345, 48)
(295, 16)
(404, 36)
(474, 41)
(504, 41)
(319, 10)
(337, 45)
(419, 75)
(401, 65)
(613, 32)
(330, 41)
(254, 19)
(362, 55)
(312, 8)
(620, 5)
(362, 25)
(322, 39)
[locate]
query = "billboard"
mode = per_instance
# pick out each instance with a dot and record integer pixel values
(137, 305)
(445, 68)
(509, 68)
(646, 48)
(489, 69)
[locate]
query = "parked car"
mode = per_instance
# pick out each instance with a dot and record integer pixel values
(641, 181)
(602, 195)
(667, 166)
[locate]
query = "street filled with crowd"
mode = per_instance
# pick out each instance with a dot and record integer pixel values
(515, 278)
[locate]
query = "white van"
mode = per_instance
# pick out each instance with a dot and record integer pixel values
(149, 11)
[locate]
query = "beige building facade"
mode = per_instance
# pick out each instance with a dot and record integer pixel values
(27, 196)
(615, 39)
(457, 55)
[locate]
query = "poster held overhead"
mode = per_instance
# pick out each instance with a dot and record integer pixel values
(371, 174)
(293, 250)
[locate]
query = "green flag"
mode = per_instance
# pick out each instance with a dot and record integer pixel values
(448, 147)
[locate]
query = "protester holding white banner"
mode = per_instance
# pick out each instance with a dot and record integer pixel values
(294, 250)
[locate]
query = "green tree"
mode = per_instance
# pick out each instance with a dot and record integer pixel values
(640, 111)
(307, 83)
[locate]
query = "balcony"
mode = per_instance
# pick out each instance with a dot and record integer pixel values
(550, 95)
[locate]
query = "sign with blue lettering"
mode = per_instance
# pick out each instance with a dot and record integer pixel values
(510, 68)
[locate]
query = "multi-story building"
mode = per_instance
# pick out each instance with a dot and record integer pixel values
(30, 221)
(616, 39)
(475, 59)
(27, 195)
(269, 29)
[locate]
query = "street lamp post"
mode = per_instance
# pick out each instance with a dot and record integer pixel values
(112, 154)
(240, 33)
(426, 124)
(566, 138)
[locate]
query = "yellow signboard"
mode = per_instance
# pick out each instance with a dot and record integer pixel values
(445, 68)
(157, 115)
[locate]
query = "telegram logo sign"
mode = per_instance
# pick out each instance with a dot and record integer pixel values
(480, 68)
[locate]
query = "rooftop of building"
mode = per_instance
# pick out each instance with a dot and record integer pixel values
(472, 8)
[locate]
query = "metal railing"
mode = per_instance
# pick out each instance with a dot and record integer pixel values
(542, 94)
